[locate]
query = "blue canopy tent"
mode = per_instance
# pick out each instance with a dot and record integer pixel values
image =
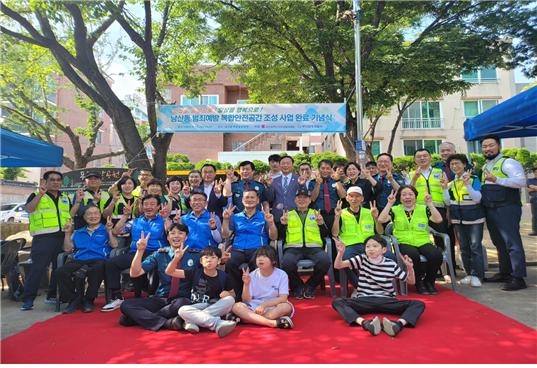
(17, 150)
(515, 117)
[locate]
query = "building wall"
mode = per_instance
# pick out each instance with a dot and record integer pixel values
(453, 117)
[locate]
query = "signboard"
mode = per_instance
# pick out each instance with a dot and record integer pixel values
(73, 180)
(248, 118)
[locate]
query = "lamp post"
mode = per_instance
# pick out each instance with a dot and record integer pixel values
(359, 144)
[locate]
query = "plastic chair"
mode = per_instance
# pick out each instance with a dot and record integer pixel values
(307, 266)
(63, 258)
(446, 252)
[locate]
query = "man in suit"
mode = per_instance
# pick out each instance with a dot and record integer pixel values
(213, 190)
(282, 191)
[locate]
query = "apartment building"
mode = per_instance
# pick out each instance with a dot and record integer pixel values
(428, 123)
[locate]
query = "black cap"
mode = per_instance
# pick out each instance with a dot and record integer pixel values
(302, 191)
(92, 173)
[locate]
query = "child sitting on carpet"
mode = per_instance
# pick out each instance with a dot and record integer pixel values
(264, 293)
(375, 291)
(212, 293)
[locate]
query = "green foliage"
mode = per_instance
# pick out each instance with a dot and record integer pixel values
(522, 155)
(261, 167)
(217, 164)
(171, 165)
(177, 157)
(12, 173)
(332, 156)
(403, 163)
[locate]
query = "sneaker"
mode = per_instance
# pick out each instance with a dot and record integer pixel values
(174, 324)
(224, 328)
(431, 289)
(309, 293)
(72, 307)
(373, 326)
(27, 305)
(475, 282)
(420, 288)
(191, 327)
(299, 293)
(285, 323)
(466, 280)
(232, 317)
(87, 306)
(50, 300)
(390, 327)
(112, 306)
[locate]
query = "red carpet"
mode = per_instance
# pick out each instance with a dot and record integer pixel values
(453, 329)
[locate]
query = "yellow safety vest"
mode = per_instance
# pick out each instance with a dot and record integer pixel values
(299, 234)
(353, 232)
(414, 232)
(432, 185)
(47, 218)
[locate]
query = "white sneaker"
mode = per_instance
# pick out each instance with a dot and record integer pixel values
(475, 282)
(191, 327)
(112, 306)
(224, 328)
(466, 281)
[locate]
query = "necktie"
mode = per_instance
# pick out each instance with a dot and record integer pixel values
(246, 185)
(381, 181)
(326, 198)
(174, 287)
(285, 183)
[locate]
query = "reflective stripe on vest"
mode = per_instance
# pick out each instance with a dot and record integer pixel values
(44, 220)
(434, 187)
(296, 231)
(414, 232)
(353, 232)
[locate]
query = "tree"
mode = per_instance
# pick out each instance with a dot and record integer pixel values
(70, 31)
(28, 80)
(12, 173)
(303, 51)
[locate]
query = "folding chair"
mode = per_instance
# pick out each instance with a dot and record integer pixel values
(306, 266)
(446, 252)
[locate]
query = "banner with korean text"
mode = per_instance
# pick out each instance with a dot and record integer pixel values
(248, 118)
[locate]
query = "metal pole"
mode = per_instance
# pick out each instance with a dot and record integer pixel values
(360, 144)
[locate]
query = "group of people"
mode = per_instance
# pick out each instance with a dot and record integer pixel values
(203, 248)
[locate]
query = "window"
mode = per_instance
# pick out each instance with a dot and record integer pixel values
(242, 102)
(375, 148)
(482, 75)
(423, 115)
(473, 108)
(99, 137)
(411, 145)
(199, 100)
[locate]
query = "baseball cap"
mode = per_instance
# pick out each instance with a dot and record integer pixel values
(92, 173)
(302, 192)
(355, 190)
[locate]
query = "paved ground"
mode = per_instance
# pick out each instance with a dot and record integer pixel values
(520, 305)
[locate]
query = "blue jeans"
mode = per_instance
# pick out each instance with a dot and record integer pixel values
(470, 241)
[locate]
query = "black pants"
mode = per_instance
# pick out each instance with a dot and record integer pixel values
(72, 287)
(425, 271)
(233, 270)
(45, 250)
(320, 258)
(352, 308)
(151, 313)
(113, 268)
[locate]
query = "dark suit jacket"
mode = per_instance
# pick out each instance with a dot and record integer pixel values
(282, 199)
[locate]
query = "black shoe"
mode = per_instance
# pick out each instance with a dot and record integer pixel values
(420, 288)
(390, 327)
(498, 277)
(299, 292)
(126, 321)
(231, 317)
(309, 292)
(373, 326)
(72, 307)
(175, 324)
(87, 306)
(285, 323)
(515, 284)
(430, 288)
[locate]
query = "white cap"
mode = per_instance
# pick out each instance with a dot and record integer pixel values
(355, 189)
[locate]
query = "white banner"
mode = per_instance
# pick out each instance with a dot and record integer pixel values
(246, 118)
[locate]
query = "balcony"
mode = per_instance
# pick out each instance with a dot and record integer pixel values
(415, 123)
